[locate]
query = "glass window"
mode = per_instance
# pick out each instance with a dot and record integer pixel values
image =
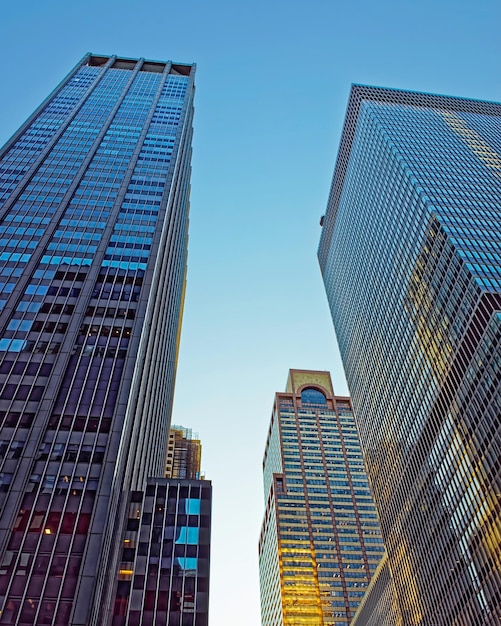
(20, 325)
(187, 563)
(187, 535)
(192, 506)
(312, 396)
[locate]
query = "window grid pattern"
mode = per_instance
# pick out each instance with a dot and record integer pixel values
(64, 347)
(17, 161)
(438, 147)
(163, 577)
(130, 243)
(411, 274)
(88, 394)
(379, 606)
(320, 518)
(26, 222)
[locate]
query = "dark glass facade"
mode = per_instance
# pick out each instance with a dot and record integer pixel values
(163, 577)
(94, 200)
(320, 540)
(411, 258)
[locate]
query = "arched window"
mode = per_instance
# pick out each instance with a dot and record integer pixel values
(312, 396)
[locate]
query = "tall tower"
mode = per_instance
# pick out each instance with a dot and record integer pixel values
(410, 254)
(320, 540)
(94, 205)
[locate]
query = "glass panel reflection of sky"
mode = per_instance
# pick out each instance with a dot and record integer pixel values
(187, 563)
(12, 345)
(187, 535)
(192, 506)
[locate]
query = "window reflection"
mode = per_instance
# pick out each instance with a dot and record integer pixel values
(187, 535)
(192, 506)
(312, 396)
(187, 563)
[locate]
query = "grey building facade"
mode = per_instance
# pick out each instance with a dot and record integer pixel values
(94, 201)
(410, 254)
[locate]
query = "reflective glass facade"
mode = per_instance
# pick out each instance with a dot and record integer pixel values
(320, 541)
(94, 200)
(411, 258)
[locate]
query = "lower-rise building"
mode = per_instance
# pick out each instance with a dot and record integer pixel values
(320, 541)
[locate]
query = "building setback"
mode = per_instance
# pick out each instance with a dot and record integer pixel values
(320, 541)
(379, 606)
(410, 254)
(94, 201)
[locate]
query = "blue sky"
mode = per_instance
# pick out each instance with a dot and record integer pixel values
(272, 87)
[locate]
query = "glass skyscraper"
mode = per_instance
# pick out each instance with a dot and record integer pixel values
(94, 201)
(411, 259)
(320, 540)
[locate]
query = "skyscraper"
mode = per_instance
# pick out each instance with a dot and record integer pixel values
(411, 259)
(320, 540)
(94, 204)
(184, 454)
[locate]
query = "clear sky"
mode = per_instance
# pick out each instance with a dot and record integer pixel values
(272, 87)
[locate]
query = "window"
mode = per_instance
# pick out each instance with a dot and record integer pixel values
(312, 396)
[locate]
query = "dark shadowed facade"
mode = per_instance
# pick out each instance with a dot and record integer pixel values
(411, 259)
(94, 201)
(163, 578)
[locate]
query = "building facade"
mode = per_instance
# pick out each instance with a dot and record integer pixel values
(410, 254)
(94, 201)
(320, 541)
(379, 606)
(184, 454)
(163, 577)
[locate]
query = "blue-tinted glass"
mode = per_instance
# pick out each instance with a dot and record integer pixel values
(188, 535)
(12, 345)
(192, 506)
(312, 396)
(20, 325)
(187, 563)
